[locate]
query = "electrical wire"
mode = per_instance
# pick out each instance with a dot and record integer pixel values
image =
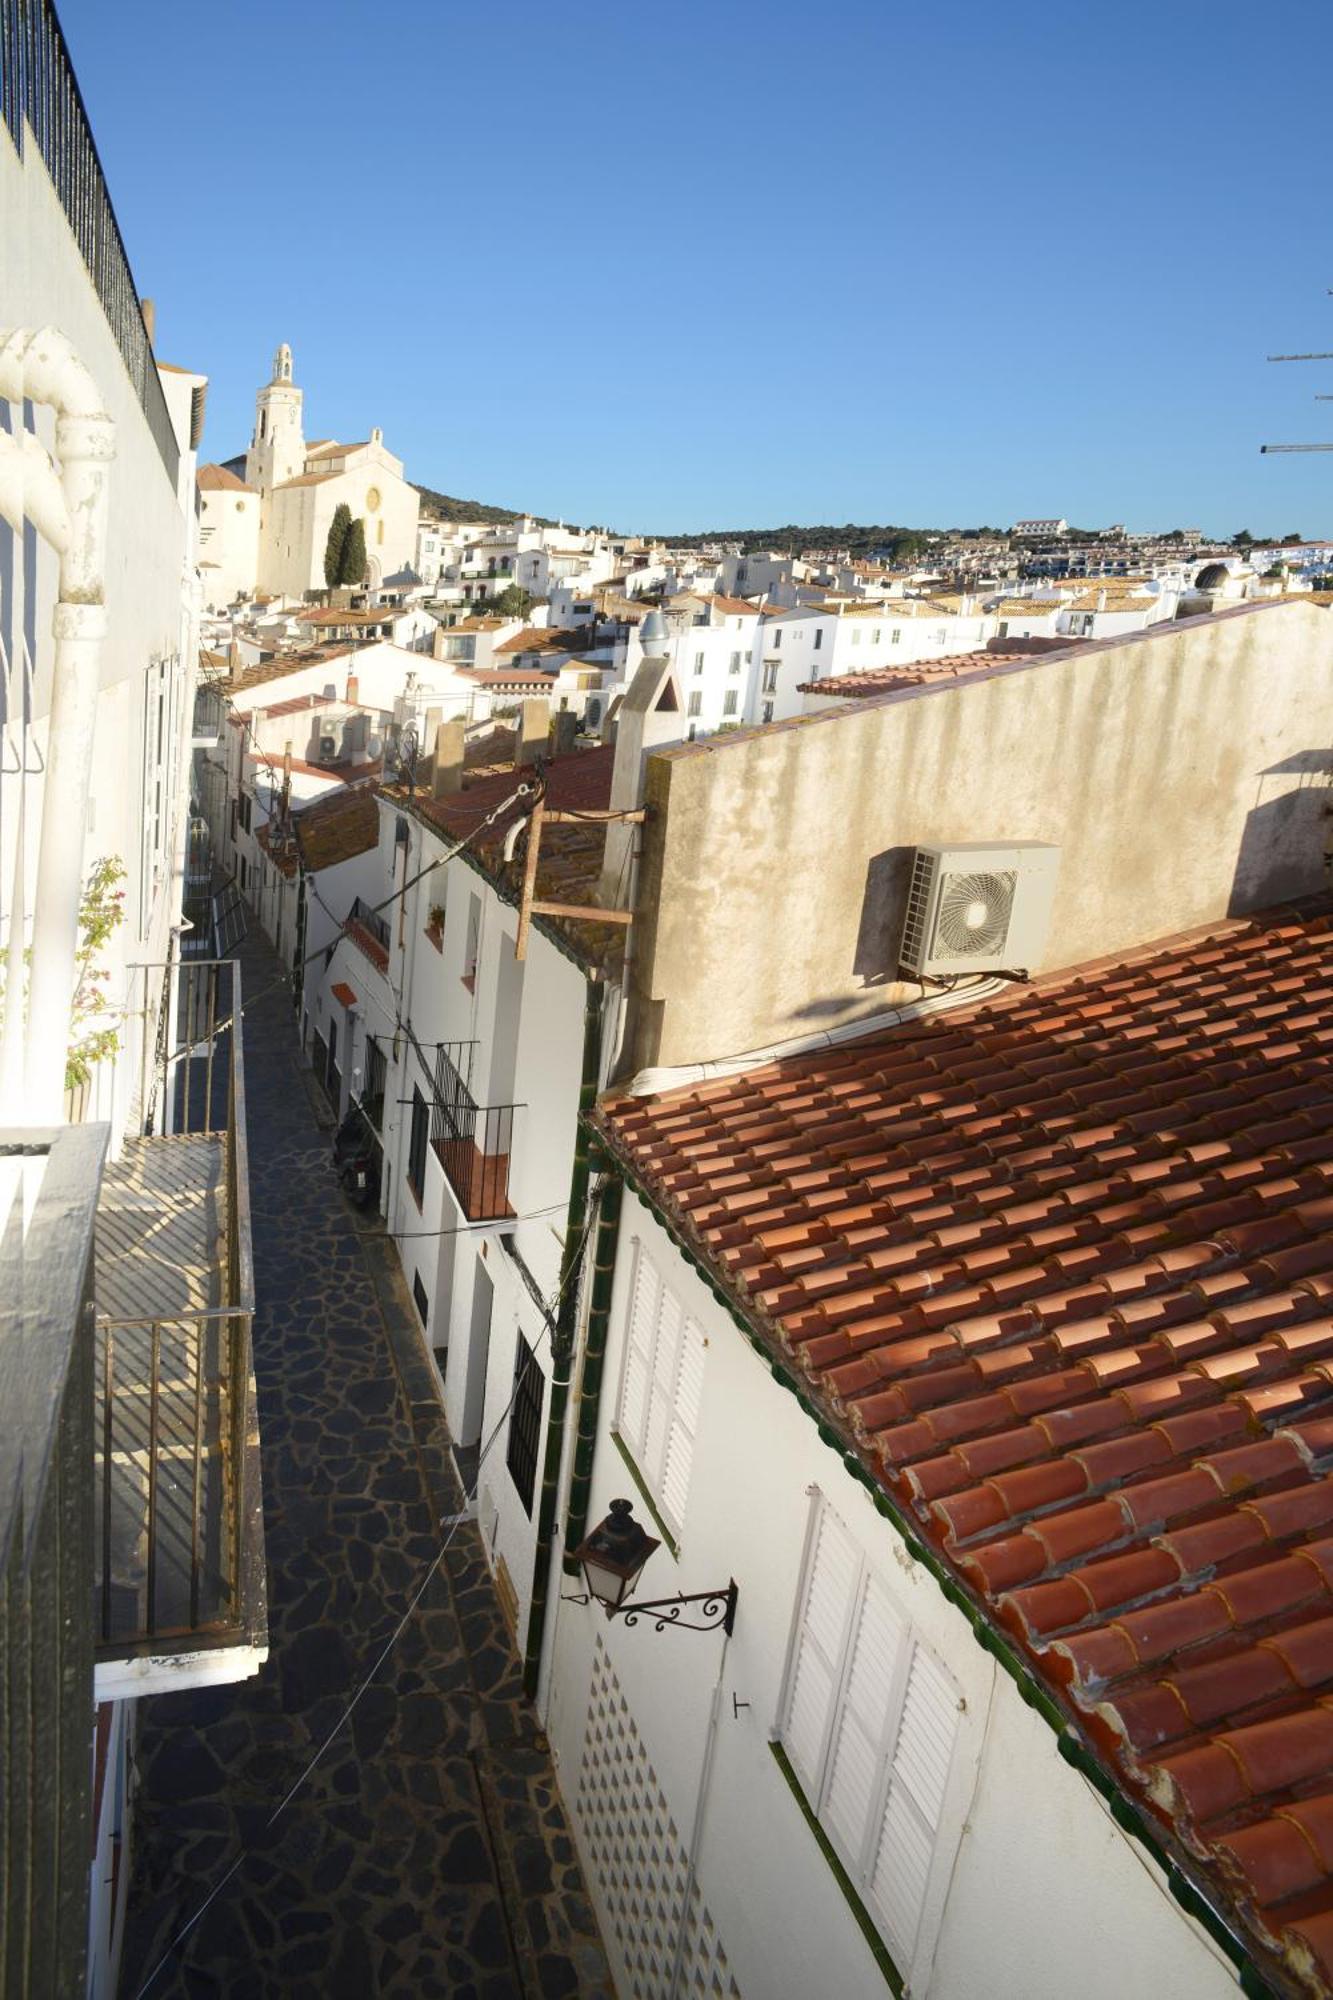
(179, 1937)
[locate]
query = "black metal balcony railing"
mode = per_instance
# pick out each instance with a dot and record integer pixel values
(46, 1553)
(181, 1555)
(38, 86)
(375, 926)
(472, 1142)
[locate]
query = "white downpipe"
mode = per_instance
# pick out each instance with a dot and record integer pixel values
(655, 1082)
(43, 367)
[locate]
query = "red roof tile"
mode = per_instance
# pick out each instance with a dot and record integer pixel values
(1059, 1270)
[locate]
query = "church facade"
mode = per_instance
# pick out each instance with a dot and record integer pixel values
(299, 486)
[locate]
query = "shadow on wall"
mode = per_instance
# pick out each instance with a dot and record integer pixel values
(1287, 833)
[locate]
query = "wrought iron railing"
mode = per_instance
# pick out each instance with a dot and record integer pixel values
(472, 1142)
(370, 921)
(38, 87)
(180, 1563)
(46, 1553)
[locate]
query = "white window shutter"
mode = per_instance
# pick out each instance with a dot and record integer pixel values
(918, 1773)
(661, 1386)
(640, 1336)
(684, 1421)
(853, 1786)
(830, 1587)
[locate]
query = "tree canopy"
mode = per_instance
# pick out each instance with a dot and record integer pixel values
(336, 543)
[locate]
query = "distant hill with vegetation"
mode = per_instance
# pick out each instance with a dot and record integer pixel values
(886, 539)
(446, 508)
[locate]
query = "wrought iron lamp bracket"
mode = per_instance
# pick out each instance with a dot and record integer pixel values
(717, 1609)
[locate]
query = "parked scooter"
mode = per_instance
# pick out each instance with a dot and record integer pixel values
(357, 1160)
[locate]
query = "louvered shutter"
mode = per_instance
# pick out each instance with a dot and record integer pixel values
(639, 1341)
(666, 1354)
(686, 1397)
(874, 1658)
(918, 1773)
(830, 1588)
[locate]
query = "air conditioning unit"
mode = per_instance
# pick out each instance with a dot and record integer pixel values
(974, 906)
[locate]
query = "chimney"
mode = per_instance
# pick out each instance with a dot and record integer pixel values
(448, 774)
(353, 691)
(533, 725)
(564, 731)
(651, 717)
(234, 666)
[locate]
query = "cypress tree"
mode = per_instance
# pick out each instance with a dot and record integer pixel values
(336, 543)
(352, 568)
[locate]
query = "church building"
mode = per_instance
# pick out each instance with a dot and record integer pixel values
(299, 486)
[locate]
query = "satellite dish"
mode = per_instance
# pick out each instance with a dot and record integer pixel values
(374, 747)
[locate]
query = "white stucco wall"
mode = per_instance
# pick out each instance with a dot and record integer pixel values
(1036, 1894)
(150, 613)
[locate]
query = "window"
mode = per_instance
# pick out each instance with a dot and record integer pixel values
(416, 1148)
(895, 635)
(869, 1721)
(245, 875)
(525, 1423)
(735, 666)
(660, 1389)
(696, 704)
(372, 1090)
(473, 943)
(245, 810)
(777, 639)
(768, 711)
(728, 708)
(771, 677)
(698, 663)
(419, 1299)
(819, 638)
(856, 635)
(876, 635)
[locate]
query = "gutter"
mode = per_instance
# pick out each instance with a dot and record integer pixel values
(590, 1382)
(564, 1329)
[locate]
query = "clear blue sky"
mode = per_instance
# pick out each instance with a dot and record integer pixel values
(732, 264)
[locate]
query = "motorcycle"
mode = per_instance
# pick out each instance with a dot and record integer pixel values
(356, 1160)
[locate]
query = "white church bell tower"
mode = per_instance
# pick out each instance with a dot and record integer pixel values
(277, 449)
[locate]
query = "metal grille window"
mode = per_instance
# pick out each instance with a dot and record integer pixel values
(372, 1096)
(416, 1148)
(869, 1722)
(525, 1423)
(661, 1389)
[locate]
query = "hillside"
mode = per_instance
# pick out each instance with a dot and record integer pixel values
(446, 508)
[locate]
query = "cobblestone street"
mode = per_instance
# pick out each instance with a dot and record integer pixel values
(429, 1852)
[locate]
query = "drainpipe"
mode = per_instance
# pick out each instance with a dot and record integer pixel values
(590, 1383)
(44, 368)
(562, 1338)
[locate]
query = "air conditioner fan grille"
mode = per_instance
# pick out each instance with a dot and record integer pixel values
(974, 914)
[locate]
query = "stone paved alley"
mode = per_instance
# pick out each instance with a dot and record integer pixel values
(429, 1853)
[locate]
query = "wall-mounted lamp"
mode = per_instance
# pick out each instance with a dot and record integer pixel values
(611, 1558)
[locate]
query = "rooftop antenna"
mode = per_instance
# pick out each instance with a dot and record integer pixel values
(1264, 448)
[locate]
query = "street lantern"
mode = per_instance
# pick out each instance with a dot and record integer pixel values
(613, 1555)
(611, 1558)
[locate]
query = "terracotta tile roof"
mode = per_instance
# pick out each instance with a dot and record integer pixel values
(217, 479)
(306, 479)
(328, 447)
(511, 677)
(1060, 1271)
(571, 856)
(332, 614)
(538, 639)
(917, 673)
(289, 663)
(338, 827)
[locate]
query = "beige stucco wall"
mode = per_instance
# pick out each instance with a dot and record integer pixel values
(232, 547)
(297, 520)
(1183, 772)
